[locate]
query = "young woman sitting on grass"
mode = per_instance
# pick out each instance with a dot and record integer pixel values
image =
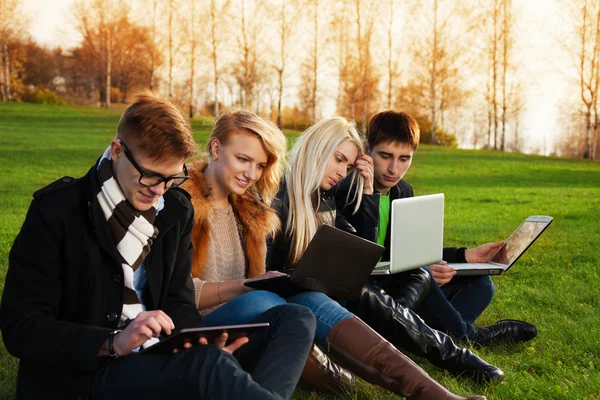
(231, 194)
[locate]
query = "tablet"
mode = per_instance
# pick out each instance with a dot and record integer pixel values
(192, 335)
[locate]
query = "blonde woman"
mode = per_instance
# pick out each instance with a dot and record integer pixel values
(231, 194)
(322, 157)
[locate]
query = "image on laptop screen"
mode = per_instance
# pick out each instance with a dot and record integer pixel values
(518, 242)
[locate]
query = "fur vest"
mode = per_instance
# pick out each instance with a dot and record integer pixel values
(256, 222)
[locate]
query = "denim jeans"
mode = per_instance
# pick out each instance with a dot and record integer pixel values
(247, 306)
(267, 367)
(470, 295)
(327, 312)
(440, 314)
(243, 308)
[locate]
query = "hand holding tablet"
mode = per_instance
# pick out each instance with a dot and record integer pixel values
(186, 338)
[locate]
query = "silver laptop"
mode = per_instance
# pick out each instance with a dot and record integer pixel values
(417, 234)
(511, 250)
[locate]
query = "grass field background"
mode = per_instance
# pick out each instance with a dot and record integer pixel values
(555, 285)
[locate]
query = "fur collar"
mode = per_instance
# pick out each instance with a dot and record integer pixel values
(256, 220)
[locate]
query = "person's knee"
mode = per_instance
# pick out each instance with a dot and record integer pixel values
(488, 288)
(309, 299)
(296, 314)
(267, 299)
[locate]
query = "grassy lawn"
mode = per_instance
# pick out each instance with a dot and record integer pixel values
(554, 285)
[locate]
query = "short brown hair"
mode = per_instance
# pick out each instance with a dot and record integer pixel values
(159, 127)
(393, 126)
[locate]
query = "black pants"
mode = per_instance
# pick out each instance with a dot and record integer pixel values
(267, 367)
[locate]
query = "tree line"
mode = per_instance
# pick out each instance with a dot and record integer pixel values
(453, 64)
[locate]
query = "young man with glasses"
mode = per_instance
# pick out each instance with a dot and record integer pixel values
(101, 268)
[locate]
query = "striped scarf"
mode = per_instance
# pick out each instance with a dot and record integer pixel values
(132, 230)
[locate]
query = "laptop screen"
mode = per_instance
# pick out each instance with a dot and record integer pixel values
(519, 241)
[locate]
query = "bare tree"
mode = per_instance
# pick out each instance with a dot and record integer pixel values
(12, 27)
(193, 43)
(170, 44)
(314, 61)
(153, 55)
(507, 39)
(97, 21)
(437, 57)
(247, 67)
(391, 65)
(217, 12)
(589, 31)
(285, 24)
(358, 75)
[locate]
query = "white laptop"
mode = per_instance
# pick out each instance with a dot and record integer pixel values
(507, 255)
(417, 234)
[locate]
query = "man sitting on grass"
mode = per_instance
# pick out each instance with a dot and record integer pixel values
(101, 267)
(450, 304)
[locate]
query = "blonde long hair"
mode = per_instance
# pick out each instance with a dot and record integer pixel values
(270, 136)
(309, 159)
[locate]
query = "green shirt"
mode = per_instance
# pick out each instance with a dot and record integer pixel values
(384, 218)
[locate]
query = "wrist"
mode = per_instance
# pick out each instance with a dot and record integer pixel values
(113, 352)
(467, 254)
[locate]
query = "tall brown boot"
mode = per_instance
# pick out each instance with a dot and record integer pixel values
(322, 374)
(359, 348)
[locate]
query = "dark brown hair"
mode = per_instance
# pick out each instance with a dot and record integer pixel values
(393, 126)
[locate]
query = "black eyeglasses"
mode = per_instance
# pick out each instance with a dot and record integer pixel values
(149, 179)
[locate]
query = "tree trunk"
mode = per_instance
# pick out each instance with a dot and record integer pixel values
(282, 65)
(7, 94)
(588, 123)
(315, 68)
(2, 92)
(170, 28)
(213, 35)
(433, 77)
(108, 68)
(153, 53)
(192, 57)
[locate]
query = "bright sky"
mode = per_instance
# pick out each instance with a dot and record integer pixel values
(540, 25)
(49, 25)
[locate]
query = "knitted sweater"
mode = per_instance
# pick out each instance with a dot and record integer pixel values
(225, 260)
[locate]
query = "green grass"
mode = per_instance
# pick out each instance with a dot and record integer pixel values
(554, 285)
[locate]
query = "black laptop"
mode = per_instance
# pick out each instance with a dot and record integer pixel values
(335, 262)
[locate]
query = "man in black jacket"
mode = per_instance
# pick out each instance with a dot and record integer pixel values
(101, 268)
(445, 302)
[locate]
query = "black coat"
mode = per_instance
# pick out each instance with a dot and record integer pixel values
(364, 223)
(64, 287)
(400, 191)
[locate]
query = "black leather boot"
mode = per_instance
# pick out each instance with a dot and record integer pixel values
(506, 331)
(407, 331)
(408, 288)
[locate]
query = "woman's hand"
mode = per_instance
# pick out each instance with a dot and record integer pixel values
(364, 164)
(267, 275)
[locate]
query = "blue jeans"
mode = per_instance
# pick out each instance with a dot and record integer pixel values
(267, 367)
(438, 313)
(249, 305)
(243, 308)
(470, 295)
(327, 312)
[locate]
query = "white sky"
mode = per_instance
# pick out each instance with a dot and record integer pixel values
(49, 25)
(540, 25)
